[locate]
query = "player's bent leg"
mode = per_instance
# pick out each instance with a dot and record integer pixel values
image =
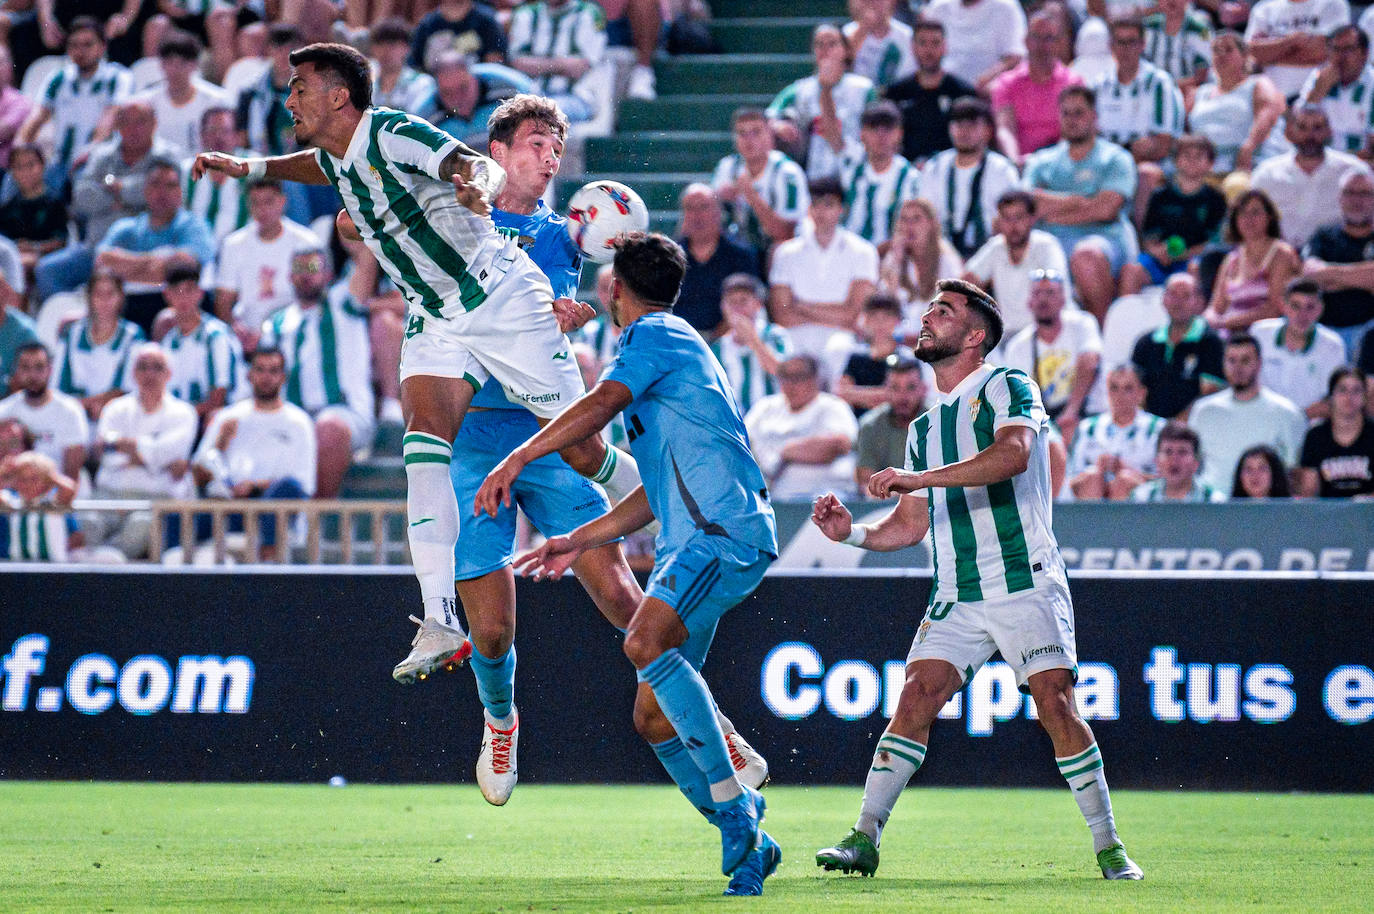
(614, 469)
(433, 408)
(606, 576)
(1080, 762)
(900, 751)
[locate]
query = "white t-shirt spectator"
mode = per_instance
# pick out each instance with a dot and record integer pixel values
(164, 436)
(1280, 18)
(772, 424)
(1301, 376)
(978, 35)
(179, 125)
(1052, 364)
(817, 274)
(55, 426)
(268, 444)
(1305, 201)
(1227, 427)
(1011, 281)
(260, 271)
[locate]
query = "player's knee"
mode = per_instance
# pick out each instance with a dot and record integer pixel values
(921, 700)
(491, 636)
(641, 649)
(585, 456)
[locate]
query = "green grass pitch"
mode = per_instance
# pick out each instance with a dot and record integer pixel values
(98, 847)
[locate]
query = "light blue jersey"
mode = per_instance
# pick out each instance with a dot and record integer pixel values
(554, 496)
(543, 235)
(687, 434)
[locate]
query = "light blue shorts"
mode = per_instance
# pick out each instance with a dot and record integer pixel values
(702, 581)
(552, 494)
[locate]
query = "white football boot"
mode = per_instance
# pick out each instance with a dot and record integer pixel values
(496, 773)
(436, 646)
(751, 769)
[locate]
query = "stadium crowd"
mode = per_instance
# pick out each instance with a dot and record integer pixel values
(1173, 205)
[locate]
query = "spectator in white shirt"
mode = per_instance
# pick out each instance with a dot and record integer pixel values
(253, 279)
(183, 97)
(1305, 183)
(261, 447)
(880, 43)
(1005, 264)
(56, 421)
(803, 438)
(1299, 355)
(1061, 351)
(1232, 420)
(1288, 38)
(145, 440)
(986, 37)
(820, 279)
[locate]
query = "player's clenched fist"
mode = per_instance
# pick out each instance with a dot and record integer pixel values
(892, 481)
(233, 166)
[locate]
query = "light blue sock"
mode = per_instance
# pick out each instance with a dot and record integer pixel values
(686, 701)
(495, 681)
(685, 773)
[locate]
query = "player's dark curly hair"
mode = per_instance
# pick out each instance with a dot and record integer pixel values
(346, 65)
(651, 265)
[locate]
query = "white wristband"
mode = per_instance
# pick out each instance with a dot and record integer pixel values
(858, 535)
(257, 168)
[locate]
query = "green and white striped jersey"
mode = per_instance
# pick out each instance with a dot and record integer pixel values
(35, 535)
(77, 103)
(748, 379)
(576, 29)
(328, 356)
(222, 204)
(883, 60)
(84, 369)
(988, 541)
(1147, 105)
(872, 199)
(203, 360)
(1350, 109)
(782, 185)
(1181, 55)
(443, 257)
(1134, 444)
(1200, 493)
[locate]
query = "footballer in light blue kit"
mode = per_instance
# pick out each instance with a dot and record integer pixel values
(717, 539)
(526, 139)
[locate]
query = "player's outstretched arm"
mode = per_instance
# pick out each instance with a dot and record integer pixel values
(301, 167)
(904, 526)
(1007, 456)
(587, 416)
(557, 554)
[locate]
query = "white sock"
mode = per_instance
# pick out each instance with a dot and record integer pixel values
(725, 791)
(1088, 781)
(894, 762)
(432, 509)
(618, 475)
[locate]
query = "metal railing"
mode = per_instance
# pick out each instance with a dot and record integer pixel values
(310, 531)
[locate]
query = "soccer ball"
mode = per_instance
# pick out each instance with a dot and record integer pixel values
(600, 211)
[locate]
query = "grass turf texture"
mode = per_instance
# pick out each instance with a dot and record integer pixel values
(265, 848)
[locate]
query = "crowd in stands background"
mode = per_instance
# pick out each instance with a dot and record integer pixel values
(1172, 202)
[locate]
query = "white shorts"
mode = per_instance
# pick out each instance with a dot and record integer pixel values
(1033, 630)
(512, 336)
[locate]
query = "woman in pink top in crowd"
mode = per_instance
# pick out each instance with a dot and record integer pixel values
(1250, 283)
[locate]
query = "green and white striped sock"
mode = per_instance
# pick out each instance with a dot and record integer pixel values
(433, 513)
(894, 762)
(618, 475)
(1088, 781)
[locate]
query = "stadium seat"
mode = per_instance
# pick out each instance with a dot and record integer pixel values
(56, 311)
